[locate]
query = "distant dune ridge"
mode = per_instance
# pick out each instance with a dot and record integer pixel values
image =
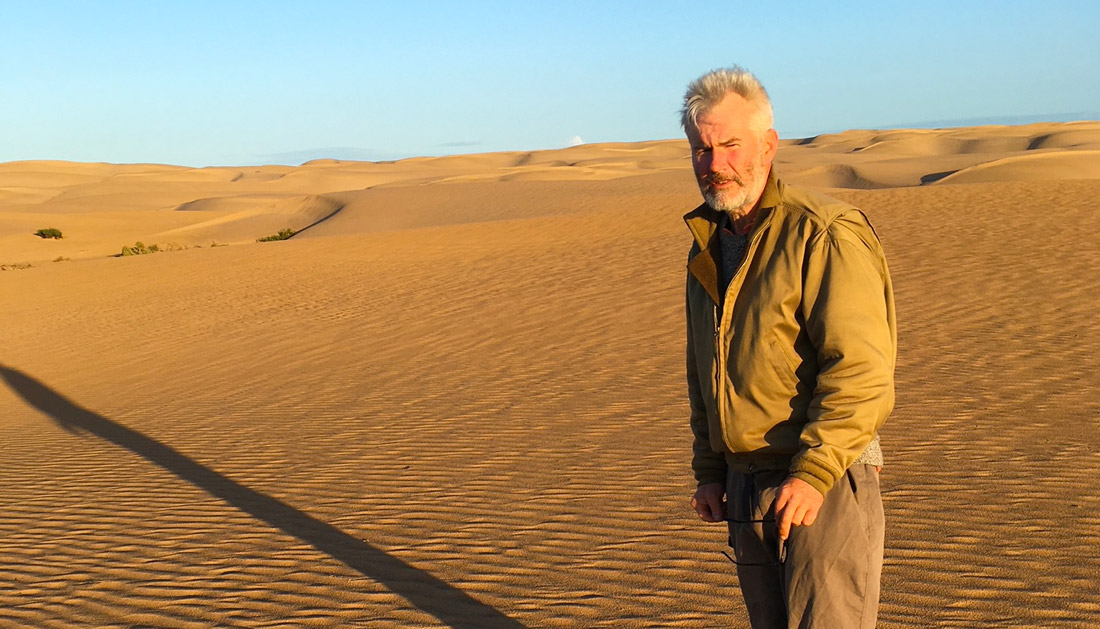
(456, 396)
(100, 207)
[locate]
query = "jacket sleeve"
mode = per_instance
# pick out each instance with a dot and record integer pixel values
(847, 306)
(709, 466)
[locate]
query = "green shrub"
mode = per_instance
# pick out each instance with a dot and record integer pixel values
(138, 249)
(282, 235)
(49, 232)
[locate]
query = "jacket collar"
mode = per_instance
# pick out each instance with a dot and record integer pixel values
(704, 221)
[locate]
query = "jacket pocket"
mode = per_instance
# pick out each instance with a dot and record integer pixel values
(782, 361)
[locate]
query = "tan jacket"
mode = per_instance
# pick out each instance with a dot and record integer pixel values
(794, 368)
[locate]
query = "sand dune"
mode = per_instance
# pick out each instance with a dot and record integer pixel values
(911, 157)
(70, 197)
(838, 176)
(458, 399)
(237, 219)
(1084, 164)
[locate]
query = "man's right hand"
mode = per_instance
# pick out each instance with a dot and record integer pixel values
(708, 502)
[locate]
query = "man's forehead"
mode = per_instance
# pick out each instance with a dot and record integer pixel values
(708, 134)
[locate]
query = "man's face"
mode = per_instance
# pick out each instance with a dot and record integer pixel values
(731, 159)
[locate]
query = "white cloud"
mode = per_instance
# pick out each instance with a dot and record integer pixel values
(576, 141)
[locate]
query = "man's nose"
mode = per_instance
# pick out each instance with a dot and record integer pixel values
(719, 160)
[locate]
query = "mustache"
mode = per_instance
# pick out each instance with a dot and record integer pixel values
(717, 179)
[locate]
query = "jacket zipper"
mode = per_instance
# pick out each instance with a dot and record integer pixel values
(718, 345)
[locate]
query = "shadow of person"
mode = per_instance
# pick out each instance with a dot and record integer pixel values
(447, 603)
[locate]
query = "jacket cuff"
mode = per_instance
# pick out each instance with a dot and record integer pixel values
(706, 479)
(710, 472)
(819, 476)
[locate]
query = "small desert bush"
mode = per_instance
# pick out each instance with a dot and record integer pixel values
(138, 249)
(282, 235)
(49, 232)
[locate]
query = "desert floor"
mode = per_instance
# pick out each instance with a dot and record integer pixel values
(456, 398)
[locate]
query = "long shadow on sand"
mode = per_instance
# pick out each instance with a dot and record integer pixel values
(447, 603)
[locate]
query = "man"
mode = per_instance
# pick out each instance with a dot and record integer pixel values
(791, 341)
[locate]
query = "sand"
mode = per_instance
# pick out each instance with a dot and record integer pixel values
(456, 398)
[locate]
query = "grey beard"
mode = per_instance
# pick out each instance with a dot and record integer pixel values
(738, 204)
(734, 206)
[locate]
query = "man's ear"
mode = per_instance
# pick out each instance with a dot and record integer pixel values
(771, 144)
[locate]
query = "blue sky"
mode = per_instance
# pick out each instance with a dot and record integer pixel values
(237, 83)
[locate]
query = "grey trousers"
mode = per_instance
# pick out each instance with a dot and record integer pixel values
(826, 575)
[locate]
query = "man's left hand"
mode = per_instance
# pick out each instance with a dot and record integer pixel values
(797, 503)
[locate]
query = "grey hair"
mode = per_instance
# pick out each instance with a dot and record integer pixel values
(705, 92)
